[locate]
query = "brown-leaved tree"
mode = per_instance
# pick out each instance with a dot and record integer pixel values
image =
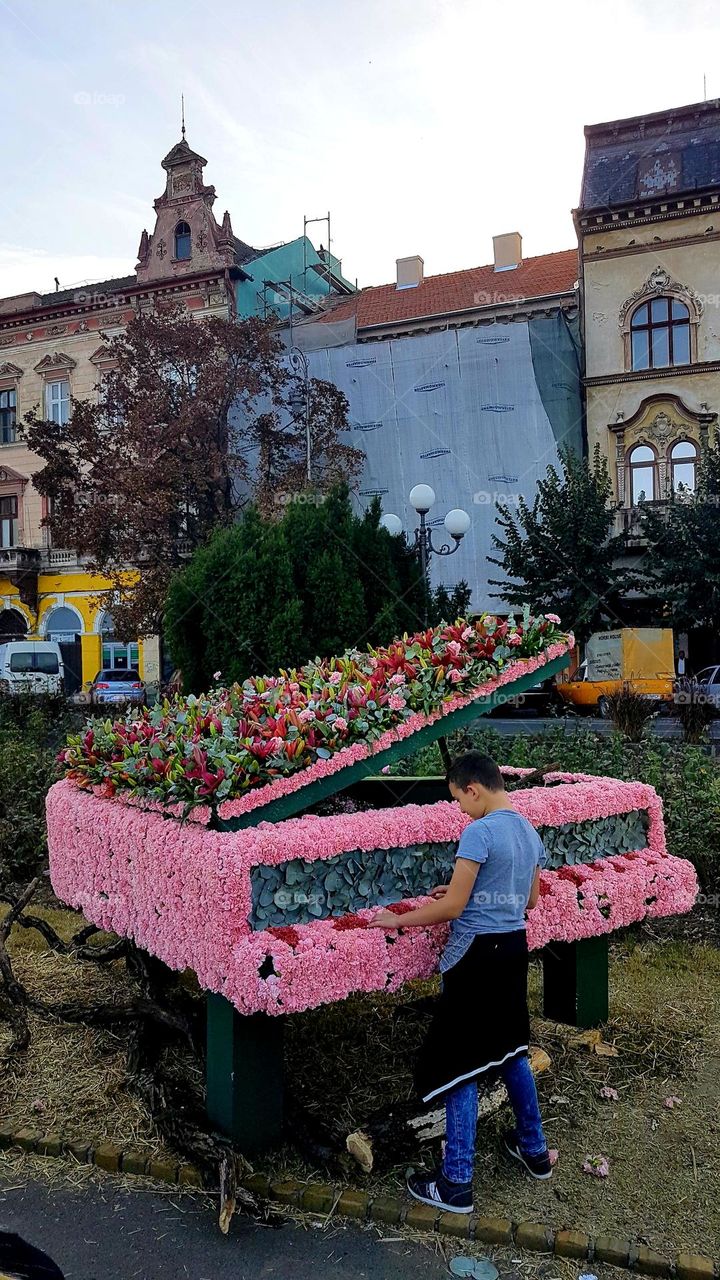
(190, 423)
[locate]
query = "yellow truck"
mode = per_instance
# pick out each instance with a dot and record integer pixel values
(642, 656)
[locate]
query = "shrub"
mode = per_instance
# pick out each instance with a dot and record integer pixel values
(629, 711)
(693, 709)
(687, 778)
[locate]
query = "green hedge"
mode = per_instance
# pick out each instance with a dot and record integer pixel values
(687, 778)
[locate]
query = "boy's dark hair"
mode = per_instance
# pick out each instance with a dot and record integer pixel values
(473, 766)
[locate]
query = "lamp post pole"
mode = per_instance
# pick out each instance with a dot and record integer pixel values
(456, 522)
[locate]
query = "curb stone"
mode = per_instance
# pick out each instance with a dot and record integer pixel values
(351, 1202)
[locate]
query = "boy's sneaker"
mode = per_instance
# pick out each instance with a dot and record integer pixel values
(436, 1190)
(537, 1166)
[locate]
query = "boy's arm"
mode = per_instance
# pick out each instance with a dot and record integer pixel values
(449, 907)
(534, 890)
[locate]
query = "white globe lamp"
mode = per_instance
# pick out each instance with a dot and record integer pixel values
(457, 522)
(392, 523)
(422, 498)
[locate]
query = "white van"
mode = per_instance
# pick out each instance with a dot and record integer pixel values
(31, 666)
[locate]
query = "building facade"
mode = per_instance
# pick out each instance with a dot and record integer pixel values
(648, 230)
(469, 382)
(51, 354)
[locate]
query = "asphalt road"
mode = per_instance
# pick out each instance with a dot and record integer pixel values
(103, 1232)
(530, 723)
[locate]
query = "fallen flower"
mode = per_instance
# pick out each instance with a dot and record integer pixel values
(671, 1102)
(608, 1092)
(597, 1166)
(553, 1153)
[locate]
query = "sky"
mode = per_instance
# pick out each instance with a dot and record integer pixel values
(423, 126)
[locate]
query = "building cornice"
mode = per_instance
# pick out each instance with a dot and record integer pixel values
(95, 302)
(644, 211)
(523, 309)
(656, 246)
(650, 375)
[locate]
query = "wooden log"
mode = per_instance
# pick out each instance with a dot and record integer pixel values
(395, 1135)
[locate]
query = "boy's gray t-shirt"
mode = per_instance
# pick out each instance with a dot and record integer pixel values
(508, 849)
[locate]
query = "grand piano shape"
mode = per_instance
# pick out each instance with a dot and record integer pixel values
(267, 900)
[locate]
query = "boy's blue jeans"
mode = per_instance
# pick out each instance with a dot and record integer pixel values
(461, 1111)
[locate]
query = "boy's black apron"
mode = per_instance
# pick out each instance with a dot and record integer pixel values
(481, 1019)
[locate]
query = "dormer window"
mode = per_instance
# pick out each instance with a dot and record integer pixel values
(183, 242)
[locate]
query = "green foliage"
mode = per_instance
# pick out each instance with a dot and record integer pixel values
(32, 730)
(559, 554)
(684, 555)
(265, 595)
(686, 777)
(630, 711)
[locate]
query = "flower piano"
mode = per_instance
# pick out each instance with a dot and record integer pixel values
(250, 834)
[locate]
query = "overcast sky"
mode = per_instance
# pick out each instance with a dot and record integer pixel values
(424, 126)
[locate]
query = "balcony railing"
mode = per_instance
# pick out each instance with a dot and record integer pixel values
(629, 524)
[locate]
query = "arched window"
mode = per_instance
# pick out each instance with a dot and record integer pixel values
(683, 466)
(642, 474)
(183, 241)
(660, 334)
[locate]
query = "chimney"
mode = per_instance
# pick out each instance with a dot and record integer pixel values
(409, 272)
(507, 251)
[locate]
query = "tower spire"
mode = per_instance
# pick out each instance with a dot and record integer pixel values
(182, 112)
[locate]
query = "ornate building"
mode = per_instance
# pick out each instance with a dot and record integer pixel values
(648, 228)
(51, 354)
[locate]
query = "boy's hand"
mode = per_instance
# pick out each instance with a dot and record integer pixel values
(385, 920)
(439, 891)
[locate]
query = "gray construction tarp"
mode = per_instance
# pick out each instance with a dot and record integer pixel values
(477, 413)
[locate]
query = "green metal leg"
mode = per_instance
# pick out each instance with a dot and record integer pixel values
(244, 1074)
(575, 981)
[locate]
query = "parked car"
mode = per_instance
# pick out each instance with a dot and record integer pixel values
(31, 666)
(117, 686)
(708, 683)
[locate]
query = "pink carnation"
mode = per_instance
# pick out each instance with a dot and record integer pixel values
(514, 639)
(398, 678)
(455, 676)
(335, 677)
(340, 723)
(552, 617)
(306, 715)
(395, 702)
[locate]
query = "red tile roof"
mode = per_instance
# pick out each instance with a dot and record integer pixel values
(551, 273)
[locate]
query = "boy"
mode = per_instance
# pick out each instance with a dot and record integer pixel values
(481, 1023)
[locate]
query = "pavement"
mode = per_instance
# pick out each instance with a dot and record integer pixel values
(101, 1231)
(521, 722)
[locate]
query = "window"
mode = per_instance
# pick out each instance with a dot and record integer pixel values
(35, 660)
(8, 521)
(683, 466)
(183, 241)
(660, 334)
(57, 402)
(8, 411)
(642, 474)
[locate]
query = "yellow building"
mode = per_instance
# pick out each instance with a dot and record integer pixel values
(52, 353)
(648, 230)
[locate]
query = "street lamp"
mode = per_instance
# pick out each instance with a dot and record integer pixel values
(299, 398)
(457, 522)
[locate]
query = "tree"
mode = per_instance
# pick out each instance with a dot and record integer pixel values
(191, 424)
(560, 553)
(683, 573)
(267, 594)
